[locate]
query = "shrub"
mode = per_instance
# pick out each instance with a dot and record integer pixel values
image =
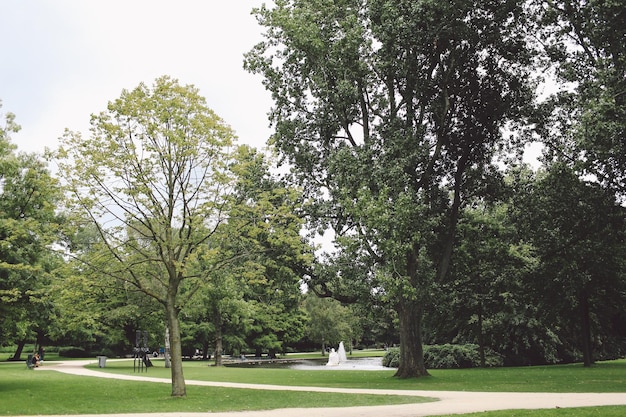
(73, 352)
(448, 356)
(392, 358)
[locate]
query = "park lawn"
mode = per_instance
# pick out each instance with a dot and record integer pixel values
(41, 392)
(609, 376)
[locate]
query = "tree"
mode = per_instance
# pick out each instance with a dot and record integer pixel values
(29, 197)
(585, 40)
(390, 113)
(153, 179)
(486, 298)
(329, 322)
(264, 233)
(96, 314)
(577, 229)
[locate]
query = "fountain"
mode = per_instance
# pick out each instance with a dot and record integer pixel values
(338, 357)
(342, 353)
(333, 358)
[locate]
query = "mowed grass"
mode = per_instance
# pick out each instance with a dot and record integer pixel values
(607, 376)
(41, 392)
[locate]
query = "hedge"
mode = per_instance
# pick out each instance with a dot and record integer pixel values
(448, 356)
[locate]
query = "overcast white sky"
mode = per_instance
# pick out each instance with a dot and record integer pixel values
(63, 60)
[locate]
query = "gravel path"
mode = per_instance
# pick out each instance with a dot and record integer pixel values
(449, 402)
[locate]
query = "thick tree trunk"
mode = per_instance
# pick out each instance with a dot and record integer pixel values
(410, 311)
(411, 352)
(19, 350)
(178, 380)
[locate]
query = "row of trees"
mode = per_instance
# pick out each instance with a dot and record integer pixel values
(402, 123)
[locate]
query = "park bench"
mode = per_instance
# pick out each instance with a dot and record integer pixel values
(29, 362)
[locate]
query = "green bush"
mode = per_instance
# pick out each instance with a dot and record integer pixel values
(73, 352)
(448, 356)
(392, 358)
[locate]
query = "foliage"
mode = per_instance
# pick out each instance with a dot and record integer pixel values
(72, 352)
(392, 358)
(152, 179)
(29, 225)
(448, 356)
(577, 230)
(329, 322)
(585, 41)
(253, 292)
(391, 112)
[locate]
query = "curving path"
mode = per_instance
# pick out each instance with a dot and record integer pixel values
(449, 402)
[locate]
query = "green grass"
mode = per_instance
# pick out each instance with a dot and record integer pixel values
(607, 376)
(43, 392)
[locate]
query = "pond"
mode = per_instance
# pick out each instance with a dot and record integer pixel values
(352, 364)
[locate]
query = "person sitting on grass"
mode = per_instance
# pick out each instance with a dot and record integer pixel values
(36, 360)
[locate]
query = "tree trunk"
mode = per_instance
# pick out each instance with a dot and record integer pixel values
(178, 379)
(481, 336)
(411, 352)
(168, 352)
(18, 351)
(217, 322)
(205, 350)
(410, 311)
(586, 330)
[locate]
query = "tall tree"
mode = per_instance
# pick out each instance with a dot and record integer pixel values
(152, 178)
(390, 112)
(29, 197)
(266, 223)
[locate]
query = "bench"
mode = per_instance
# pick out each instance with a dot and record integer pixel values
(29, 362)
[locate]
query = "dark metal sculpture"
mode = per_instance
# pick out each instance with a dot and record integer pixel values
(141, 362)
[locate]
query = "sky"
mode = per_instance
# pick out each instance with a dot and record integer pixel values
(63, 60)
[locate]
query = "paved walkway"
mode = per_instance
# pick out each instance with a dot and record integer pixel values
(448, 402)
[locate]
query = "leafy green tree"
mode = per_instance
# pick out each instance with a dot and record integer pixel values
(222, 314)
(329, 322)
(585, 40)
(29, 197)
(252, 264)
(152, 178)
(101, 315)
(266, 223)
(390, 113)
(577, 229)
(485, 299)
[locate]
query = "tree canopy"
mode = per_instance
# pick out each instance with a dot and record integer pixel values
(390, 113)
